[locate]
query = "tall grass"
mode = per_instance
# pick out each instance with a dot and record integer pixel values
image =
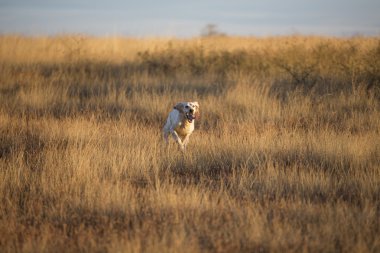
(284, 158)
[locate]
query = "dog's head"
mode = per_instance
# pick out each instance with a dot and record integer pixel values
(189, 109)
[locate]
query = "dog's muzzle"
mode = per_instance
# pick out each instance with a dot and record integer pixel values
(190, 117)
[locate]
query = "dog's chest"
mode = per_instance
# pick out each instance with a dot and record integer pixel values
(184, 128)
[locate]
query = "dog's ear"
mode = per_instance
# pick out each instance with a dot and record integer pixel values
(180, 107)
(197, 112)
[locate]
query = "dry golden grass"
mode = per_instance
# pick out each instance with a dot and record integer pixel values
(286, 156)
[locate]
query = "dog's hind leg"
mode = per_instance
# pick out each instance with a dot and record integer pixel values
(166, 136)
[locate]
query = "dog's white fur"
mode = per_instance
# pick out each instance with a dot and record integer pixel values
(180, 122)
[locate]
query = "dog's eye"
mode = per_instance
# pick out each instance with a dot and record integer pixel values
(187, 107)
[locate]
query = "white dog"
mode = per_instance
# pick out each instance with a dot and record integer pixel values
(180, 122)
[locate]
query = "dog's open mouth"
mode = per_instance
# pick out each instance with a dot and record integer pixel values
(190, 117)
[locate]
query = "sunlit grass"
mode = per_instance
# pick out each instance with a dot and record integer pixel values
(284, 158)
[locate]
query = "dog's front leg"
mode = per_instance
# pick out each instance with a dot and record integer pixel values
(178, 139)
(186, 141)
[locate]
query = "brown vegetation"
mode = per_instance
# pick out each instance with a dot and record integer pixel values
(285, 158)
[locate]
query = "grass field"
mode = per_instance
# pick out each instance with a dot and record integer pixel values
(285, 157)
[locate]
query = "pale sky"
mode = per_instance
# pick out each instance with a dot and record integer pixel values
(181, 18)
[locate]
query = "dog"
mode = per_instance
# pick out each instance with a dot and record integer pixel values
(180, 123)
